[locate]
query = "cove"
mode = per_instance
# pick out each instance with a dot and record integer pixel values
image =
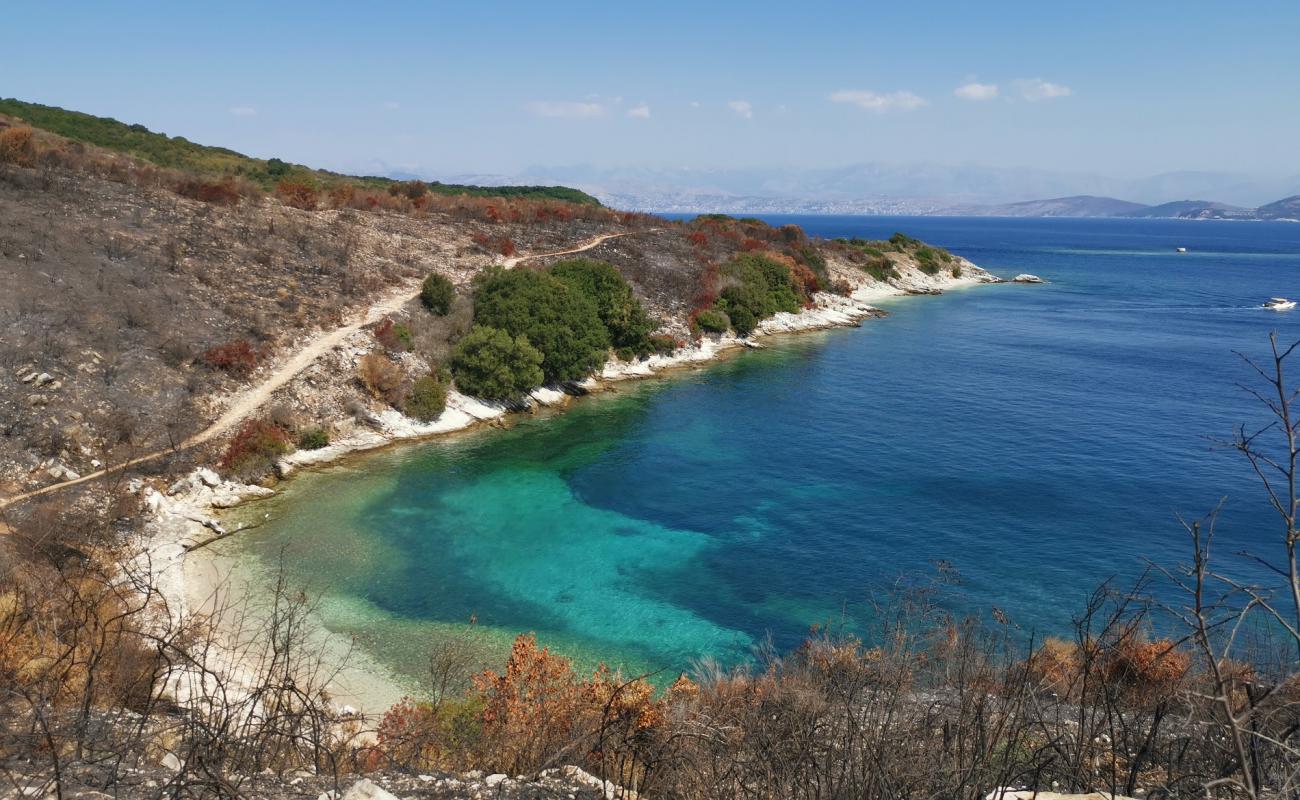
(1036, 439)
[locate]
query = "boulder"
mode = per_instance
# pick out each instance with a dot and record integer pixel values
(1025, 277)
(208, 477)
(365, 790)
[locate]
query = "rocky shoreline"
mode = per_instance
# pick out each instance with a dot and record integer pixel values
(188, 515)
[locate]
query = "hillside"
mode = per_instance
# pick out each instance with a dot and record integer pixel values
(1089, 206)
(1286, 208)
(141, 298)
(1077, 206)
(1193, 209)
(177, 152)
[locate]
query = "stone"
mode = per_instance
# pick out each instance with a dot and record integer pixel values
(493, 780)
(366, 790)
(1025, 277)
(171, 762)
(44, 378)
(208, 477)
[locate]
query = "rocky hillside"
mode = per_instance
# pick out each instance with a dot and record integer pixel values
(143, 301)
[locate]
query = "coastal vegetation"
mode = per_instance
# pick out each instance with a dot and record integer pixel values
(624, 318)
(561, 322)
(427, 399)
(184, 280)
(492, 364)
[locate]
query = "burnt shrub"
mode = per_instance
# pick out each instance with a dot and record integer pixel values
(384, 379)
(394, 336)
(298, 193)
(18, 146)
(253, 451)
(238, 358)
(224, 192)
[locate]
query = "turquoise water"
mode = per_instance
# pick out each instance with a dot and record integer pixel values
(1037, 438)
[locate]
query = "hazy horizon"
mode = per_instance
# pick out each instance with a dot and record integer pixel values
(1102, 88)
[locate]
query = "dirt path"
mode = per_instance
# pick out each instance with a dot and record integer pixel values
(251, 399)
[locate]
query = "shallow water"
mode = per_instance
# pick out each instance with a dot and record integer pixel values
(1037, 438)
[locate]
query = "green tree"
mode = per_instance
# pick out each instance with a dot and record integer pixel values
(622, 314)
(437, 293)
(559, 321)
(490, 363)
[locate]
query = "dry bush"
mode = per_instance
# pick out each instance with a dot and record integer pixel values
(298, 194)
(238, 358)
(383, 378)
(224, 192)
(18, 146)
(255, 448)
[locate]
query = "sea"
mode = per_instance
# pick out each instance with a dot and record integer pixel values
(1001, 451)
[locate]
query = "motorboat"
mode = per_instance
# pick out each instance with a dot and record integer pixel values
(1279, 304)
(1180, 249)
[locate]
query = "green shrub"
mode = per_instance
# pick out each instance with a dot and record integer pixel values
(437, 293)
(739, 311)
(492, 364)
(558, 320)
(902, 241)
(621, 313)
(713, 320)
(663, 344)
(928, 260)
(427, 400)
(313, 439)
(880, 268)
(760, 287)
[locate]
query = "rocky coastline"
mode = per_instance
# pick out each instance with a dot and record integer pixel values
(193, 512)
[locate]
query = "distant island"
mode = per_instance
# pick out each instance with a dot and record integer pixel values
(1288, 208)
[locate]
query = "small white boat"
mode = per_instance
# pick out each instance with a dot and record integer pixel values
(1279, 304)
(1180, 249)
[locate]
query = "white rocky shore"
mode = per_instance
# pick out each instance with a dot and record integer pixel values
(187, 515)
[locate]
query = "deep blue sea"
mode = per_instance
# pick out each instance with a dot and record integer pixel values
(1039, 439)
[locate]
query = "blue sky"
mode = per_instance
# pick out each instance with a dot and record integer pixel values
(1132, 88)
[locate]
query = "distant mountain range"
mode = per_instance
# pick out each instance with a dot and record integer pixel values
(1088, 206)
(876, 188)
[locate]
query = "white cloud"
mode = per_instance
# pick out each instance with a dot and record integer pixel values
(742, 107)
(1035, 89)
(879, 103)
(548, 108)
(977, 91)
(640, 111)
(244, 111)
